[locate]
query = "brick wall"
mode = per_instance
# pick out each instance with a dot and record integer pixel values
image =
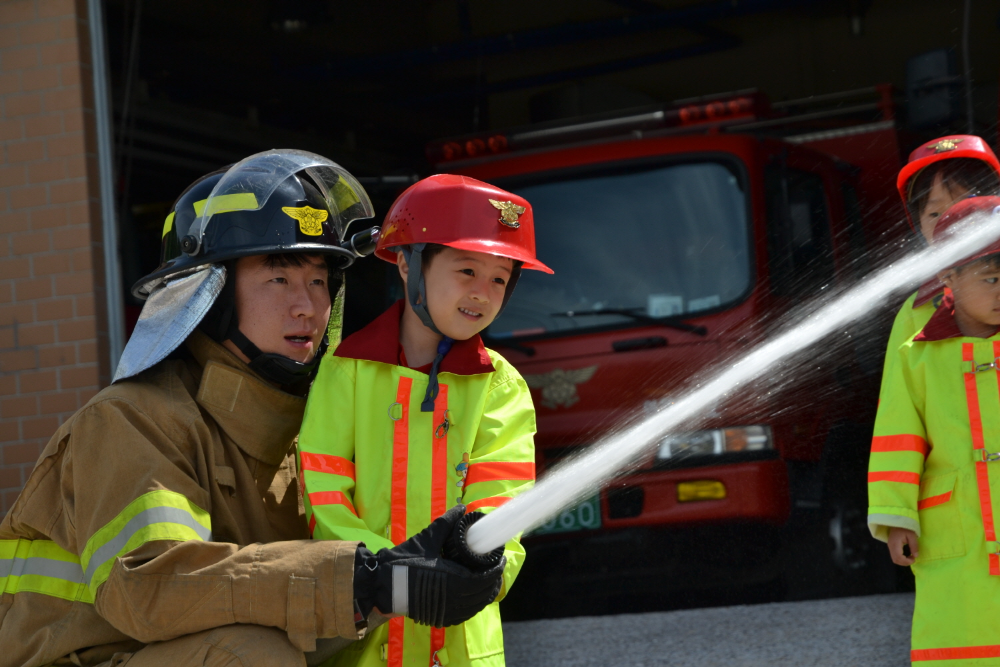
(51, 266)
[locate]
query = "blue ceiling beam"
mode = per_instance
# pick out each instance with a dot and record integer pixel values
(557, 35)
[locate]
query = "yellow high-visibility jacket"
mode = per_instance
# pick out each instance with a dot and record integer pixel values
(934, 469)
(910, 319)
(379, 470)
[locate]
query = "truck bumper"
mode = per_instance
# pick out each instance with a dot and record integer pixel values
(755, 491)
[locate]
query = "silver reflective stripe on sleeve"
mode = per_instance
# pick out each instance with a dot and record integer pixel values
(400, 590)
(46, 567)
(145, 518)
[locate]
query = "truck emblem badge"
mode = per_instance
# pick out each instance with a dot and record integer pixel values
(559, 386)
(508, 212)
(310, 219)
(946, 145)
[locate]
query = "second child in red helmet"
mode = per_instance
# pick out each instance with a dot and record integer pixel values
(413, 417)
(931, 481)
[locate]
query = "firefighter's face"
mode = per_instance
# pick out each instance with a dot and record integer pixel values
(282, 309)
(939, 200)
(976, 288)
(464, 290)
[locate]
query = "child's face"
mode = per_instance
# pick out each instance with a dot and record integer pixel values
(939, 200)
(465, 290)
(977, 297)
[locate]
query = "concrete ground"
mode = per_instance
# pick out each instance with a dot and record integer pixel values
(861, 631)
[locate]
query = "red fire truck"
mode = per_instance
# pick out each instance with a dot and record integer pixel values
(679, 236)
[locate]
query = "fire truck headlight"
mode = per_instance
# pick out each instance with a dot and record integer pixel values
(716, 441)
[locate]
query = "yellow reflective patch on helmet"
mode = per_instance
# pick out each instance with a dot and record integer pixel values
(343, 195)
(239, 201)
(310, 219)
(168, 224)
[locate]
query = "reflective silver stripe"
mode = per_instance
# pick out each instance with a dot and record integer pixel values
(400, 589)
(141, 520)
(46, 567)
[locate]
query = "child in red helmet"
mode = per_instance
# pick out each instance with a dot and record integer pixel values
(413, 415)
(938, 174)
(933, 480)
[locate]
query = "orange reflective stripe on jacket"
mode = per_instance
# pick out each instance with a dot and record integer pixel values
(400, 463)
(333, 465)
(331, 498)
(500, 471)
(895, 476)
(957, 653)
(899, 443)
(439, 485)
(934, 501)
(495, 501)
(982, 472)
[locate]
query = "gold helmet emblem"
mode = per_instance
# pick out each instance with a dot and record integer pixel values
(508, 212)
(946, 145)
(310, 219)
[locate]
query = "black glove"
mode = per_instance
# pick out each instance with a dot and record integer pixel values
(414, 580)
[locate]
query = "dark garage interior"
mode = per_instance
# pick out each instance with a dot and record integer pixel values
(199, 85)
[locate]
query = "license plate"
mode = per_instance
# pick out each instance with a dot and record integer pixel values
(585, 516)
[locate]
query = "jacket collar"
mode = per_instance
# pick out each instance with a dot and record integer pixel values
(942, 324)
(261, 419)
(379, 342)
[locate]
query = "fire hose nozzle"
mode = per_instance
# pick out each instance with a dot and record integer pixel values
(457, 547)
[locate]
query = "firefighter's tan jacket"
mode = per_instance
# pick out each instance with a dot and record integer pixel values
(166, 506)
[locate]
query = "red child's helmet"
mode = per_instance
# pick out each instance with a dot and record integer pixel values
(463, 213)
(961, 210)
(942, 148)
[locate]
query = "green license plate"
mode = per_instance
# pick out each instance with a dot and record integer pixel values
(585, 516)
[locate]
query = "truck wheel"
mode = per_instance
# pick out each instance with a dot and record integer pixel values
(831, 552)
(861, 563)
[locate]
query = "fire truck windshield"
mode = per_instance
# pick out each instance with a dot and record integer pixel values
(663, 241)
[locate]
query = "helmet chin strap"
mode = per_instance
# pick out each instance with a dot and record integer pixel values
(221, 323)
(277, 368)
(416, 290)
(416, 294)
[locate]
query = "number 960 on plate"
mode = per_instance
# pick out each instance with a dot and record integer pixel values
(585, 516)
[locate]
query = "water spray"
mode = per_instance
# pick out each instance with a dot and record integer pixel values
(572, 482)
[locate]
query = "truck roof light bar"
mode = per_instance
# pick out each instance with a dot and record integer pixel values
(743, 92)
(705, 111)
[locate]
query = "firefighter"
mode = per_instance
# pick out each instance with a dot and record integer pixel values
(938, 174)
(438, 420)
(933, 459)
(163, 524)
